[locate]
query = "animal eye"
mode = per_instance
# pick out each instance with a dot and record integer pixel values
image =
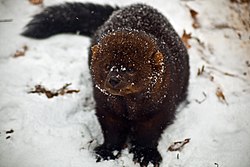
(130, 70)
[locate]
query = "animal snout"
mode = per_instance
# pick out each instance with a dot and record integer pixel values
(114, 81)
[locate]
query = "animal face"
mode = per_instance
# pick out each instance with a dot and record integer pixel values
(124, 63)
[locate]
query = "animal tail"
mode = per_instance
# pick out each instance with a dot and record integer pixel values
(80, 18)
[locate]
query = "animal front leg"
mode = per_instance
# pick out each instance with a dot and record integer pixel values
(115, 134)
(144, 147)
(144, 139)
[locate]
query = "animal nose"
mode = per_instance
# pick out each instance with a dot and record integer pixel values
(114, 81)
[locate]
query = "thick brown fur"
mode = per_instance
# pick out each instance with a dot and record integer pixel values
(140, 72)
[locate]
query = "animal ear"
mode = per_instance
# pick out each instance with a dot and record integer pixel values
(158, 59)
(95, 49)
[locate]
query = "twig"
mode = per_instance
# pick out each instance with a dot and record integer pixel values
(9, 131)
(6, 20)
(201, 101)
(226, 73)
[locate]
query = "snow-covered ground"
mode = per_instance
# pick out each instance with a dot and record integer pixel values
(62, 131)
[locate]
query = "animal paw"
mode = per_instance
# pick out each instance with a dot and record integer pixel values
(144, 155)
(105, 153)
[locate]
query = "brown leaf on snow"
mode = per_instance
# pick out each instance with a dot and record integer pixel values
(21, 52)
(62, 91)
(178, 146)
(42, 90)
(185, 37)
(194, 14)
(36, 2)
(221, 95)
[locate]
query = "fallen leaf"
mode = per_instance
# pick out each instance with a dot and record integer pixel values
(178, 146)
(21, 52)
(194, 14)
(50, 94)
(185, 37)
(221, 95)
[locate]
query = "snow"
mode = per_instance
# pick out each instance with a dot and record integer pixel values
(62, 131)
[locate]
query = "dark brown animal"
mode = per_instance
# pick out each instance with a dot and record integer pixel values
(140, 71)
